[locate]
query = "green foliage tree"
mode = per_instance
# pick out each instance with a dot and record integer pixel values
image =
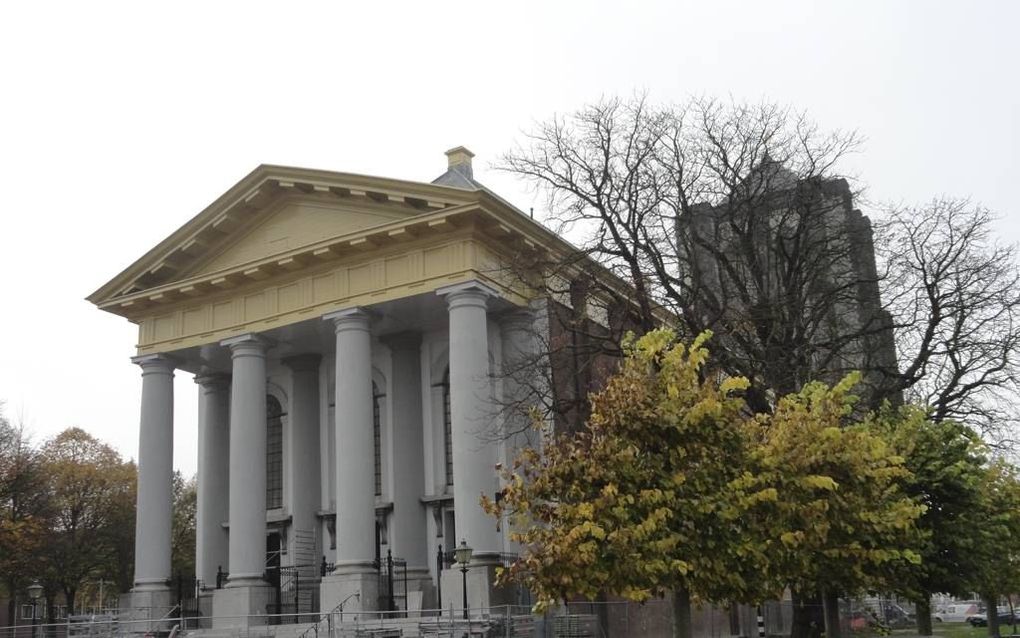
(946, 460)
(22, 510)
(841, 522)
(997, 538)
(182, 533)
(674, 486)
(650, 497)
(92, 493)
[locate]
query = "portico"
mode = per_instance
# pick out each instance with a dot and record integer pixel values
(346, 334)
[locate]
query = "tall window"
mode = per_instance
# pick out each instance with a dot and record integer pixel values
(274, 453)
(377, 397)
(447, 428)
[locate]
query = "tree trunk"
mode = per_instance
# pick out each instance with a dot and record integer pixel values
(992, 614)
(733, 614)
(682, 626)
(923, 606)
(602, 612)
(807, 621)
(830, 607)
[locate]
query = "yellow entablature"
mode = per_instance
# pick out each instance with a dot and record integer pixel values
(285, 245)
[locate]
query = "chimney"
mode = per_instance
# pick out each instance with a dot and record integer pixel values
(459, 159)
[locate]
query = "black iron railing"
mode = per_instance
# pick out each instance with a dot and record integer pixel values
(448, 559)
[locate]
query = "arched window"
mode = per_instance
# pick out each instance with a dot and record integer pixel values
(274, 453)
(447, 428)
(377, 397)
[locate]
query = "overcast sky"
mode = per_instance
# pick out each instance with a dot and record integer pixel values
(120, 121)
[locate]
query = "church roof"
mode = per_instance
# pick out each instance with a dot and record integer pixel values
(177, 255)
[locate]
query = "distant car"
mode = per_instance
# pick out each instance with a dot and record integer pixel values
(981, 620)
(861, 620)
(956, 613)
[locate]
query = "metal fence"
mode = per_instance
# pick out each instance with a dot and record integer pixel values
(867, 618)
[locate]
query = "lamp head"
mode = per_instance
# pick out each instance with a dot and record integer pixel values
(35, 590)
(463, 552)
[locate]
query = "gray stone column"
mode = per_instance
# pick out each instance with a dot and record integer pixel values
(523, 377)
(247, 555)
(407, 527)
(211, 510)
(471, 415)
(303, 435)
(355, 464)
(155, 474)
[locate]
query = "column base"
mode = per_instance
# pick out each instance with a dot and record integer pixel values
(482, 592)
(150, 602)
(421, 591)
(241, 606)
(355, 585)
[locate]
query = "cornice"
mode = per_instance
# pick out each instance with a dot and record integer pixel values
(251, 194)
(356, 244)
(436, 213)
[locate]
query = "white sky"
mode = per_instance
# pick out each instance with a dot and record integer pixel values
(119, 121)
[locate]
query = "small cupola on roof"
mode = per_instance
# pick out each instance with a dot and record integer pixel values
(458, 172)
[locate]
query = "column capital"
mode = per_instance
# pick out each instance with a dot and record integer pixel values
(155, 364)
(467, 293)
(249, 344)
(303, 362)
(356, 318)
(213, 381)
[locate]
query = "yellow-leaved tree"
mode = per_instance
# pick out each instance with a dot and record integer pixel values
(841, 522)
(675, 487)
(651, 497)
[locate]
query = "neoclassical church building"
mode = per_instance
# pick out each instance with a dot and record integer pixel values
(346, 334)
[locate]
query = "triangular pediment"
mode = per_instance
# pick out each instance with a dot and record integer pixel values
(295, 222)
(273, 210)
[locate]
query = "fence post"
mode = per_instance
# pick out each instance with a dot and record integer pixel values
(180, 596)
(390, 605)
(439, 580)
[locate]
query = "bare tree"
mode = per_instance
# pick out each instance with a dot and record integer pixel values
(721, 217)
(954, 294)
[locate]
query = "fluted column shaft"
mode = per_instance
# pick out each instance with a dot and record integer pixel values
(155, 474)
(471, 412)
(355, 458)
(211, 510)
(247, 554)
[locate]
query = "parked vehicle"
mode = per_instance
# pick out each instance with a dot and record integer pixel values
(981, 620)
(959, 612)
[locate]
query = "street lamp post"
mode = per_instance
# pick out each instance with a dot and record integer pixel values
(34, 592)
(463, 554)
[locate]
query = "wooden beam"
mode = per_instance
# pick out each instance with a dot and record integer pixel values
(193, 290)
